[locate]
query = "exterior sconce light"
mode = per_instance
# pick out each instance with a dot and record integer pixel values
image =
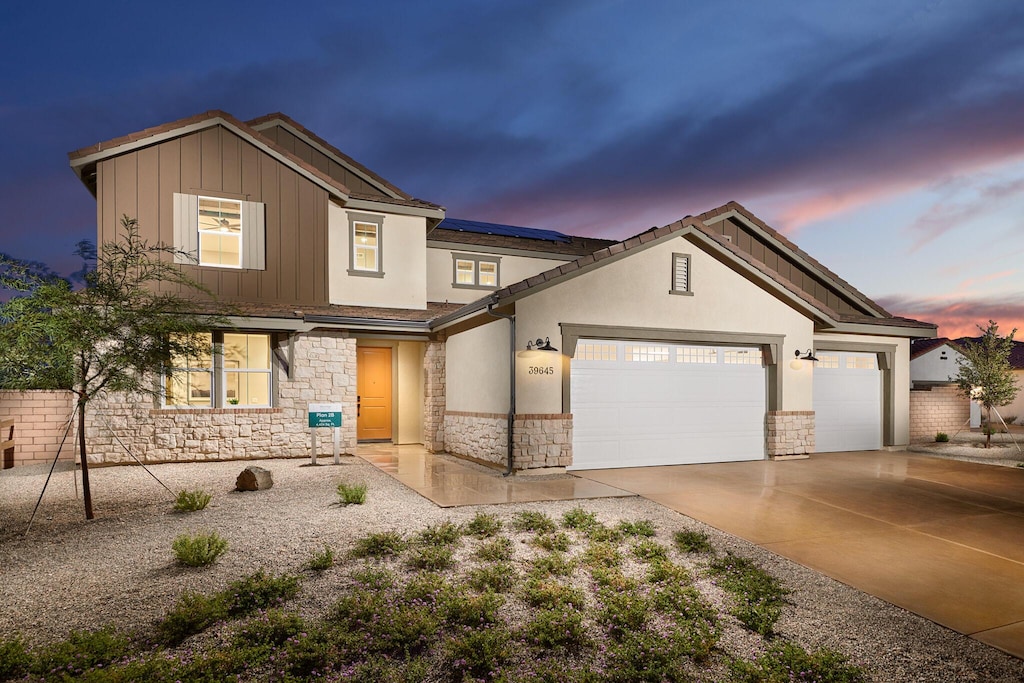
(797, 362)
(535, 347)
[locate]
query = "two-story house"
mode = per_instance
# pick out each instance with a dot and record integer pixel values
(713, 338)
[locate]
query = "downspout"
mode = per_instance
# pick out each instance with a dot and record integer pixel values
(511, 318)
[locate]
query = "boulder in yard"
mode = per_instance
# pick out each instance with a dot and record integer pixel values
(254, 478)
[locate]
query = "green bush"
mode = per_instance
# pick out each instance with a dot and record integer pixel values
(443, 534)
(192, 614)
(552, 564)
(693, 542)
(665, 571)
(549, 594)
(431, 558)
(484, 525)
(529, 520)
(471, 610)
(599, 533)
(498, 577)
(784, 662)
(560, 627)
(273, 627)
(15, 659)
(650, 551)
(941, 437)
(557, 541)
(498, 550)
(82, 650)
(475, 654)
(321, 561)
(199, 550)
(621, 612)
(383, 544)
(191, 501)
(351, 494)
(259, 591)
(580, 519)
(642, 656)
(757, 594)
(613, 578)
(641, 527)
(602, 554)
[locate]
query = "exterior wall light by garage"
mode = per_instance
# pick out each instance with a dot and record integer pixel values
(797, 362)
(533, 348)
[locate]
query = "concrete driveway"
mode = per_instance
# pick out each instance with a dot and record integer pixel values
(941, 538)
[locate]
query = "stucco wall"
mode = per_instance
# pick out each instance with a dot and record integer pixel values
(930, 367)
(410, 392)
(476, 368)
(634, 292)
(403, 259)
(511, 269)
(40, 419)
(323, 371)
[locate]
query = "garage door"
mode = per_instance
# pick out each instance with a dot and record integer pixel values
(847, 402)
(637, 404)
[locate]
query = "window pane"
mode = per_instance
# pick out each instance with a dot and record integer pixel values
(366, 234)
(188, 389)
(488, 274)
(220, 232)
(647, 354)
(247, 388)
(464, 272)
(247, 351)
(202, 360)
(219, 250)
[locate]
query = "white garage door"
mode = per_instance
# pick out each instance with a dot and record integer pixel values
(647, 403)
(847, 402)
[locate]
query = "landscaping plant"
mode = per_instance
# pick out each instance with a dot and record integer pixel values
(191, 501)
(351, 494)
(199, 550)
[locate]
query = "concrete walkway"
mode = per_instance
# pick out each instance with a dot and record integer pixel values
(941, 538)
(450, 482)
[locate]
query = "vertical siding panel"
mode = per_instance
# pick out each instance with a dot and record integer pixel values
(149, 194)
(289, 235)
(249, 160)
(126, 190)
(169, 183)
(270, 193)
(191, 167)
(757, 250)
(105, 177)
(307, 252)
(286, 140)
(210, 157)
(270, 133)
(232, 162)
(322, 256)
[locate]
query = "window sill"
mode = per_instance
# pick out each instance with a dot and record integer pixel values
(459, 285)
(213, 411)
(679, 292)
(366, 273)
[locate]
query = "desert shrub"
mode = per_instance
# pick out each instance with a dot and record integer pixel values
(758, 595)
(442, 534)
(484, 525)
(650, 551)
(471, 610)
(530, 520)
(613, 578)
(621, 612)
(430, 558)
(578, 518)
(599, 533)
(549, 594)
(475, 653)
(321, 561)
(382, 544)
(351, 494)
(784, 662)
(191, 501)
(941, 437)
(557, 541)
(642, 656)
(602, 554)
(259, 591)
(374, 577)
(192, 614)
(498, 550)
(498, 577)
(559, 627)
(665, 571)
(199, 550)
(640, 527)
(693, 542)
(15, 659)
(272, 627)
(552, 564)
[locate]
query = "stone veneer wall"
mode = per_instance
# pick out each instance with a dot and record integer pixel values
(790, 433)
(542, 440)
(323, 371)
(938, 409)
(40, 419)
(539, 440)
(433, 396)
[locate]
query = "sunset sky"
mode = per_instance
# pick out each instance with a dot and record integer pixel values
(885, 138)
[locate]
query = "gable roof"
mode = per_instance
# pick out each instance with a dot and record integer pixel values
(84, 160)
(696, 228)
(919, 347)
(923, 346)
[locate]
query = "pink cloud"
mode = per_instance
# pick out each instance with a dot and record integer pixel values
(961, 317)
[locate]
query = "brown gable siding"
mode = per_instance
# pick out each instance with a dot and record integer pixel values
(750, 243)
(320, 161)
(215, 161)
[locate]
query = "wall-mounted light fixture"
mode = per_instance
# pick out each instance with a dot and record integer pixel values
(798, 360)
(535, 347)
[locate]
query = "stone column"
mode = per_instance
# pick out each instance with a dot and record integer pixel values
(433, 396)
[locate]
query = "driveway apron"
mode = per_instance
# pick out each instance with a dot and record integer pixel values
(941, 538)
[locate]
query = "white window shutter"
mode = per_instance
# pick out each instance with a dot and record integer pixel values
(186, 227)
(254, 235)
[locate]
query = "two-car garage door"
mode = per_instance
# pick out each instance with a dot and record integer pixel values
(651, 403)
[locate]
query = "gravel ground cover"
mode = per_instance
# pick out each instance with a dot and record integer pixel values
(67, 574)
(970, 447)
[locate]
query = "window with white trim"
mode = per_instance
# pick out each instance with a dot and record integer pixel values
(236, 371)
(647, 354)
(681, 275)
(474, 271)
(591, 351)
(219, 232)
(366, 244)
(697, 354)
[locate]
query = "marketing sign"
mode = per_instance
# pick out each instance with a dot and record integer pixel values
(324, 415)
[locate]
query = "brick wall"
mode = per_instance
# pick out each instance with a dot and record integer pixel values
(790, 433)
(40, 418)
(323, 370)
(938, 409)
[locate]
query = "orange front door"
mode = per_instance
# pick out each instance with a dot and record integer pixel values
(373, 385)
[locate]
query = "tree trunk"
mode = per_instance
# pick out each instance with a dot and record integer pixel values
(988, 427)
(86, 493)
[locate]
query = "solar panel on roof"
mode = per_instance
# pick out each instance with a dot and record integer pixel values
(505, 230)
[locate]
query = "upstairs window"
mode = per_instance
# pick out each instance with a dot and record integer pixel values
(219, 232)
(366, 240)
(681, 275)
(474, 271)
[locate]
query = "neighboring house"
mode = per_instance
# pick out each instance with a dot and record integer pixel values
(933, 362)
(677, 345)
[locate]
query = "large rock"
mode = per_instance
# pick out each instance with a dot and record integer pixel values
(254, 478)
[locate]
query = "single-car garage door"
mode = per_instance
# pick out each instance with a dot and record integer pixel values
(847, 402)
(649, 403)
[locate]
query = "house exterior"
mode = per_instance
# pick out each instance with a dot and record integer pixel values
(934, 363)
(685, 343)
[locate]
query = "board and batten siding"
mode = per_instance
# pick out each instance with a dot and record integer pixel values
(320, 161)
(216, 162)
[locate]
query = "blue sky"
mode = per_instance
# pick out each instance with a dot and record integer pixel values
(885, 138)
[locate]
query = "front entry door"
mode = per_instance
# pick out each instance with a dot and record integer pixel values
(373, 386)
